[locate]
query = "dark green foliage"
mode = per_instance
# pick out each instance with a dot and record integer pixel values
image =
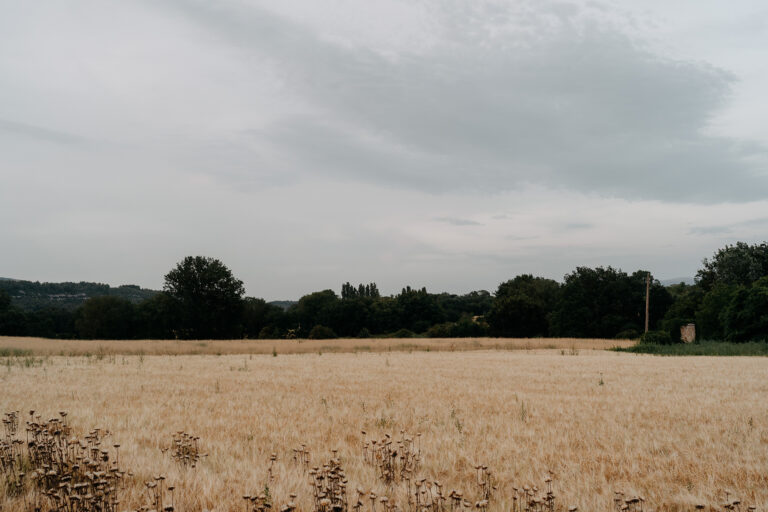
(110, 318)
(472, 304)
(13, 323)
(465, 327)
(746, 317)
(683, 310)
(36, 296)
(5, 301)
(159, 317)
(257, 315)
(52, 323)
(368, 290)
(418, 309)
(709, 348)
(602, 302)
(318, 308)
(402, 333)
(270, 332)
(209, 298)
(202, 299)
(321, 332)
(710, 314)
(736, 265)
(629, 334)
(656, 338)
(522, 307)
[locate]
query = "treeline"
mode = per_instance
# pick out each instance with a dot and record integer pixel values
(202, 299)
(34, 296)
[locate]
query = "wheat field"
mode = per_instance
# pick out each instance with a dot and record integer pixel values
(44, 346)
(676, 431)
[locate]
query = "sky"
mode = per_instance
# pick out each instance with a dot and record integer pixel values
(452, 144)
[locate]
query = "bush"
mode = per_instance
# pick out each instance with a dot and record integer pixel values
(321, 332)
(656, 338)
(440, 331)
(364, 333)
(402, 333)
(627, 334)
(270, 332)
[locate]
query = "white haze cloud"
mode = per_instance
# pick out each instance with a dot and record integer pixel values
(443, 144)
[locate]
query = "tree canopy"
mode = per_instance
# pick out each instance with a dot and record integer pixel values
(208, 296)
(201, 298)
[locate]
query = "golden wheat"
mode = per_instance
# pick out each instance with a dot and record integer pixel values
(102, 348)
(499, 429)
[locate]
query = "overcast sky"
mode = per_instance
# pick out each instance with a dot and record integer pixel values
(450, 144)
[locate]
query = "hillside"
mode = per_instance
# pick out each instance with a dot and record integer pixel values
(34, 296)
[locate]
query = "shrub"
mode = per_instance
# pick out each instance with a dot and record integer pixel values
(403, 333)
(440, 331)
(627, 334)
(321, 332)
(364, 333)
(270, 332)
(656, 338)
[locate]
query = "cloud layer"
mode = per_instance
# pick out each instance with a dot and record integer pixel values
(451, 144)
(546, 93)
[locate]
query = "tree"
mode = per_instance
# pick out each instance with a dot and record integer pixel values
(603, 302)
(687, 300)
(710, 312)
(321, 332)
(746, 317)
(5, 301)
(159, 317)
(109, 318)
(369, 290)
(522, 306)
(318, 308)
(209, 296)
(419, 310)
(12, 321)
(738, 265)
(258, 315)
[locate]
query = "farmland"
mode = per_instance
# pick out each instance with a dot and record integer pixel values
(676, 431)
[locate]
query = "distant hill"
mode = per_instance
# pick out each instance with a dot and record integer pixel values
(284, 304)
(677, 280)
(34, 296)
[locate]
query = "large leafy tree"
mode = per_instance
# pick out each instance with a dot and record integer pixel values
(419, 310)
(318, 308)
(738, 265)
(210, 298)
(522, 306)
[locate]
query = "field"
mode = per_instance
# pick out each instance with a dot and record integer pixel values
(676, 431)
(41, 346)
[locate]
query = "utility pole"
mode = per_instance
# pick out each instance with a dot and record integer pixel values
(647, 293)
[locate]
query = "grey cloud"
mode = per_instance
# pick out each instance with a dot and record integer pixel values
(577, 226)
(559, 102)
(710, 230)
(39, 133)
(457, 222)
(727, 229)
(520, 238)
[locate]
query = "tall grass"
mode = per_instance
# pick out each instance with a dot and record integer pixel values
(14, 352)
(676, 431)
(705, 348)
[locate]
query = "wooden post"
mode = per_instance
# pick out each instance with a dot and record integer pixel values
(647, 293)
